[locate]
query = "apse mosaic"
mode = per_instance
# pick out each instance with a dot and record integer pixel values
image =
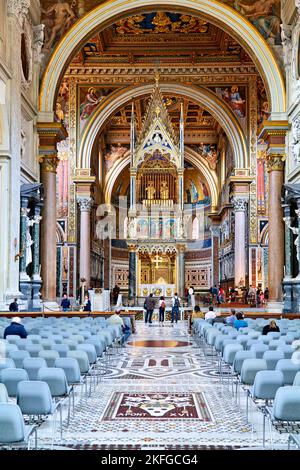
(196, 191)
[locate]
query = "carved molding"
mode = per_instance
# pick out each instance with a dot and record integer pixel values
(240, 204)
(18, 8)
(85, 203)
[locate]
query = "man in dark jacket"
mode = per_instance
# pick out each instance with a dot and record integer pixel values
(149, 304)
(13, 307)
(15, 328)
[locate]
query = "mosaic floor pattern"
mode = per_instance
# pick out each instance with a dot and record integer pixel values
(161, 398)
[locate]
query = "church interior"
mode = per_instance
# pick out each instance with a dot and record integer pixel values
(150, 214)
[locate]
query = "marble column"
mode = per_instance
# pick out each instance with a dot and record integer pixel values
(132, 272)
(275, 166)
(180, 258)
(50, 133)
(85, 204)
(48, 229)
(215, 272)
(240, 207)
(274, 133)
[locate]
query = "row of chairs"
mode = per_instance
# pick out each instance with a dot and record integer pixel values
(261, 365)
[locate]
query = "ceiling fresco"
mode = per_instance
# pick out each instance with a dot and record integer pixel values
(58, 16)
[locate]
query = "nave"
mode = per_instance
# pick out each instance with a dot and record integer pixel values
(162, 398)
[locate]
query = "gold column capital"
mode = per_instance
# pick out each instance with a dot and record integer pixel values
(275, 162)
(132, 248)
(49, 163)
(181, 247)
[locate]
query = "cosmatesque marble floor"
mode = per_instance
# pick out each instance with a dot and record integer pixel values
(160, 392)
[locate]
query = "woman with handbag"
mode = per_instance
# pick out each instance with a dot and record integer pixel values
(162, 308)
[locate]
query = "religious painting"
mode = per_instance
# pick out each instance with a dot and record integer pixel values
(263, 107)
(196, 191)
(169, 229)
(62, 104)
(209, 152)
(58, 17)
(264, 15)
(114, 153)
(235, 97)
(154, 228)
(142, 228)
(89, 99)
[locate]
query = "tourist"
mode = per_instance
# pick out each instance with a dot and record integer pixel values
(266, 294)
(116, 292)
(210, 315)
(87, 304)
(261, 299)
(214, 292)
(149, 306)
(240, 322)
(221, 295)
(65, 303)
(162, 308)
(13, 306)
(271, 327)
(115, 319)
(175, 308)
(126, 332)
(232, 317)
(15, 328)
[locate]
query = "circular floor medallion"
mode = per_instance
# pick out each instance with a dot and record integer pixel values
(159, 344)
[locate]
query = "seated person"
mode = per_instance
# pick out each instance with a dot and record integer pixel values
(240, 322)
(232, 317)
(115, 319)
(210, 315)
(197, 313)
(15, 328)
(271, 327)
(126, 332)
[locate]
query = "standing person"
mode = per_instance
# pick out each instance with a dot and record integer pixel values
(162, 308)
(149, 304)
(221, 295)
(266, 294)
(116, 292)
(15, 328)
(13, 306)
(192, 297)
(175, 308)
(65, 303)
(87, 304)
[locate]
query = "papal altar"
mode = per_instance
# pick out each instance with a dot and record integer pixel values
(167, 290)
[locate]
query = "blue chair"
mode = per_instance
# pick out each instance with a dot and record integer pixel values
(33, 349)
(72, 371)
(259, 350)
(62, 349)
(297, 379)
(57, 381)
(274, 343)
(12, 339)
(289, 370)
(228, 357)
(18, 357)
(32, 365)
(285, 413)
(287, 350)
(11, 377)
(13, 431)
(3, 394)
(274, 334)
(272, 357)
(6, 363)
(49, 356)
(34, 399)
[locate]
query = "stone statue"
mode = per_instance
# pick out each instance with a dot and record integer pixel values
(164, 190)
(295, 231)
(132, 231)
(150, 190)
(29, 241)
(296, 139)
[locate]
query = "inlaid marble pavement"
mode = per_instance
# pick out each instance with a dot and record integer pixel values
(151, 383)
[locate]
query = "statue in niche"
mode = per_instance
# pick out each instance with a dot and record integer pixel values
(164, 190)
(295, 230)
(150, 189)
(132, 229)
(29, 241)
(296, 139)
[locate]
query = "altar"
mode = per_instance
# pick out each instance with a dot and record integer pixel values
(166, 290)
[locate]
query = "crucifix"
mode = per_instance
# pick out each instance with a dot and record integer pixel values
(158, 260)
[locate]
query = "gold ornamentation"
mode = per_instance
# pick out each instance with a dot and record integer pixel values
(49, 164)
(275, 162)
